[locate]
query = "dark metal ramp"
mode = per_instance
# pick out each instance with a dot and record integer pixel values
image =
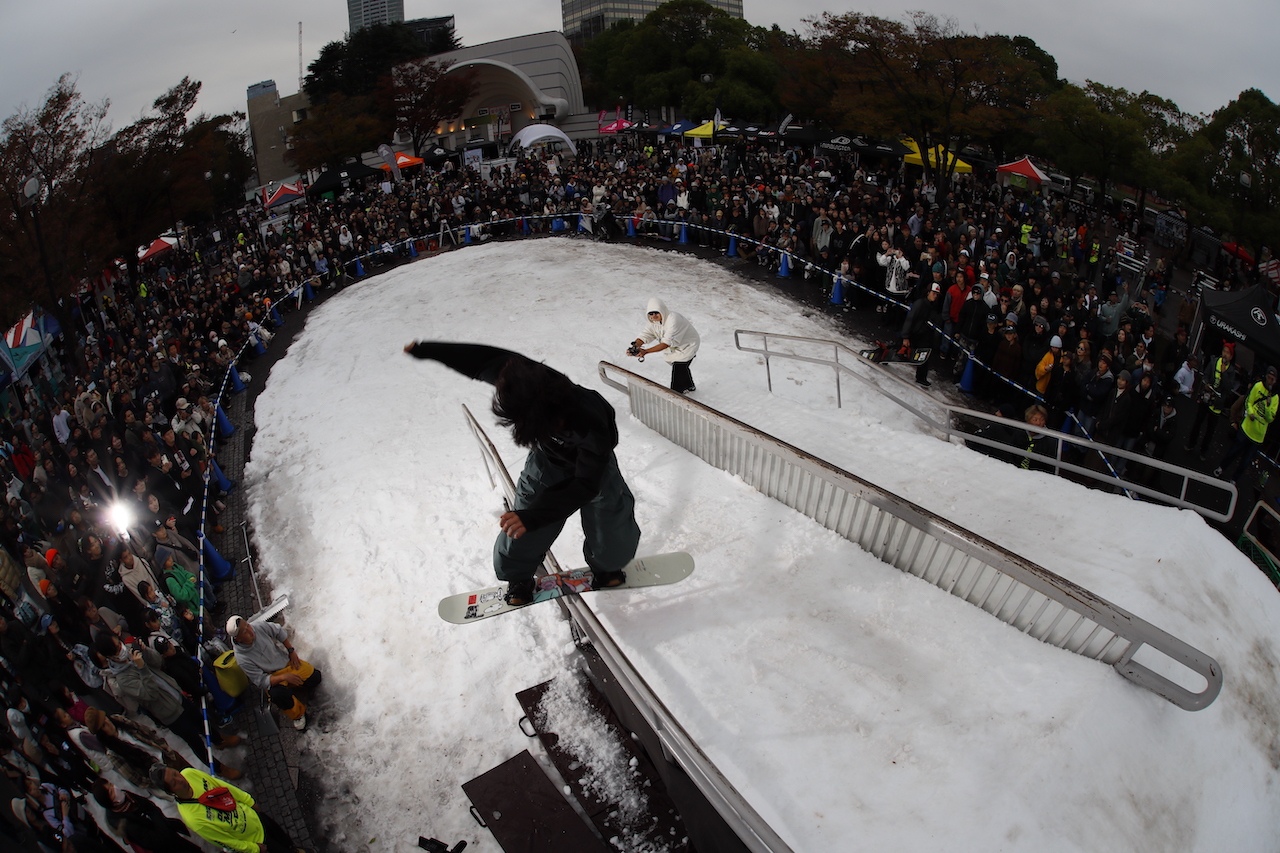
(661, 827)
(526, 813)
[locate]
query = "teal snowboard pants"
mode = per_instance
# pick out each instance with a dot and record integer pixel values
(608, 523)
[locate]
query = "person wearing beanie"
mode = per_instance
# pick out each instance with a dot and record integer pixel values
(1216, 393)
(1044, 370)
(1095, 392)
(918, 329)
(270, 662)
(1115, 415)
(571, 433)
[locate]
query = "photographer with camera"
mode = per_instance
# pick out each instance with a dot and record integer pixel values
(675, 336)
(138, 680)
(1217, 387)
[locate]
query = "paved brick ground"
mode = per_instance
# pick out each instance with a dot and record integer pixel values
(272, 760)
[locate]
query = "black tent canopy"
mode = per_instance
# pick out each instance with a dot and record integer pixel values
(335, 180)
(1247, 317)
(848, 143)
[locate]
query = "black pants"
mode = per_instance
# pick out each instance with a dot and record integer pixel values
(681, 376)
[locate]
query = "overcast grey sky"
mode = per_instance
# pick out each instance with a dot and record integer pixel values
(1200, 55)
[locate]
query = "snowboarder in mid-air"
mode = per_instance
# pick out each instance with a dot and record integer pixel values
(570, 432)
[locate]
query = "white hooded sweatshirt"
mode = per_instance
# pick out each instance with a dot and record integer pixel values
(674, 331)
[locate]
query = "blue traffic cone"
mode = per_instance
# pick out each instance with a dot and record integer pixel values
(225, 427)
(582, 224)
(525, 228)
(413, 248)
(219, 569)
(733, 247)
(307, 292)
(359, 269)
(276, 320)
(837, 290)
(684, 237)
(466, 235)
(631, 226)
(784, 266)
(966, 381)
(236, 385)
(258, 347)
(216, 475)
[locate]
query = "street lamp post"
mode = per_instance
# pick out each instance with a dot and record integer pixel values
(31, 198)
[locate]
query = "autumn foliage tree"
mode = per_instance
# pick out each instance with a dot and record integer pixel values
(923, 77)
(340, 129)
(99, 195)
(422, 94)
(686, 54)
(1230, 170)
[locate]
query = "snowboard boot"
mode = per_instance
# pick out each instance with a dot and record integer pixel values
(519, 593)
(604, 580)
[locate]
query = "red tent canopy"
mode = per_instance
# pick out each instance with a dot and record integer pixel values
(1025, 168)
(1236, 250)
(161, 244)
(283, 194)
(404, 161)
(616, 126)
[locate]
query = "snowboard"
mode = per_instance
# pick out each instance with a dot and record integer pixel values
(641, 572)
(885, 354)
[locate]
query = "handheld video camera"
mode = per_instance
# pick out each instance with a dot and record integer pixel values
(635, 351)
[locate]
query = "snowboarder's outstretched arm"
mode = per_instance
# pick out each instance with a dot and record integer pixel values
(476, 361)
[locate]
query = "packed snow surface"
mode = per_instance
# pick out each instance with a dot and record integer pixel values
(844, 699)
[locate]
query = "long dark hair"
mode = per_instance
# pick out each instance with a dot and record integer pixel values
(531, 399)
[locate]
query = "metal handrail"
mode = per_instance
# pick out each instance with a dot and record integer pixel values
(744, 820)
(948, 430)
(1063, 439)
(841, 369)
(911, 538)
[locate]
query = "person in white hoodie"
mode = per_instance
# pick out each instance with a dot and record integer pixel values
(674, 336)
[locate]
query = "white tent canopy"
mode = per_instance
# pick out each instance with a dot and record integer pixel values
(537, 133)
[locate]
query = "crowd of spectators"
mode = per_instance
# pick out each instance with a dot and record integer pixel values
(99, 627)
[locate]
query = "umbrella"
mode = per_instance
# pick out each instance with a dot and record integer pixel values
(159, 246)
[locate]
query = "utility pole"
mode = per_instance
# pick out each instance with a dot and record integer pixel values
(300, 74)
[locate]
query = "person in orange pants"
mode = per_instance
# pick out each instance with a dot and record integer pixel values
(269, 660)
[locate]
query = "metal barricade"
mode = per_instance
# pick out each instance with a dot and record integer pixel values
(1221, 495)
(911, 538)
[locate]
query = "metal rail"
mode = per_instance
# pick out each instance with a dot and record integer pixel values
(870, 378)
(679, 747)
(1225, 491)
(911, 538)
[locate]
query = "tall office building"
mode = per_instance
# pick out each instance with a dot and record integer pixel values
(583, 20)
(364, 13)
